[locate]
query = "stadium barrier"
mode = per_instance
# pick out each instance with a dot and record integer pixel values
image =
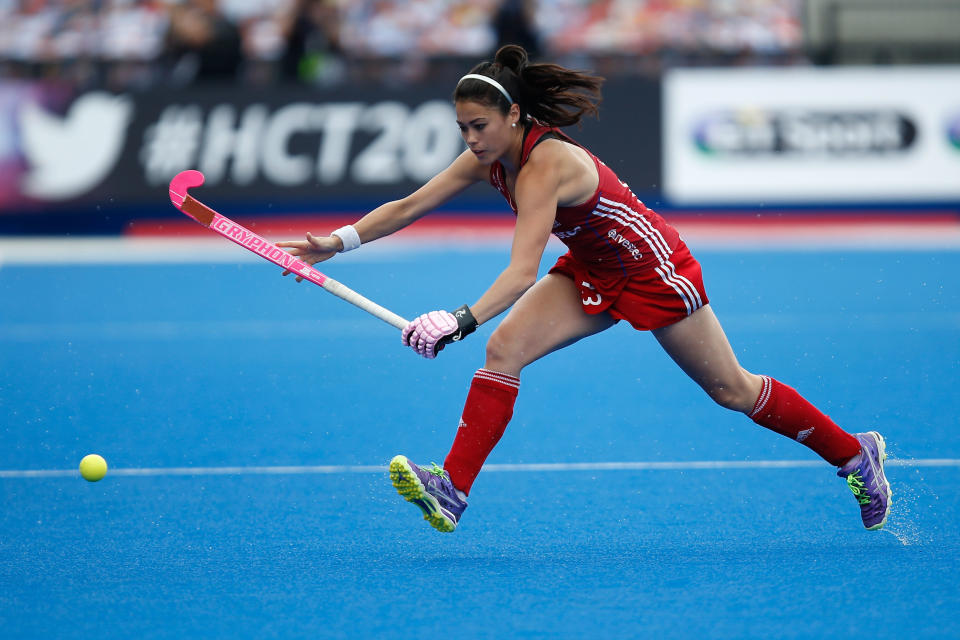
(714, 143)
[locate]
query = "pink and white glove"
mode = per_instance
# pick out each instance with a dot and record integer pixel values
(423, 333)
(431, 332)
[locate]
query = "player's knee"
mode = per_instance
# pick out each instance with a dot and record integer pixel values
(497, 347)
(733, 397)
(736, 392)
(502, 349)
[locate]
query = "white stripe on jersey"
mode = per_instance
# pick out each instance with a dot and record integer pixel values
(630, 213)
(667, 271)
(673, 275)
(677, 284)
(667, 252)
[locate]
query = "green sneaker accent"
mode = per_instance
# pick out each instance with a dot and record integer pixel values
(867, 481)
(430, 490)
(859, 489)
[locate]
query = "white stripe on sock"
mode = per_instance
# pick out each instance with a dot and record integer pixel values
(764, 396)
(502, 378)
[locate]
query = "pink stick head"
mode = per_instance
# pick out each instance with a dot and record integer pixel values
(181, 183)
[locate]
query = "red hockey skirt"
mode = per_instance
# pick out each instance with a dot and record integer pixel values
(653, 298)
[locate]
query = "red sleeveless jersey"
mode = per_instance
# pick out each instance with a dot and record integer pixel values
(613, 232)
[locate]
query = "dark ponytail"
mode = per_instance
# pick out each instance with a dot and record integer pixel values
(554, 95)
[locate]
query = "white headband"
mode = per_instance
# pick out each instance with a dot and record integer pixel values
(488, 80)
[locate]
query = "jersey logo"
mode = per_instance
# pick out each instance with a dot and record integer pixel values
(626, 244)
(567, 234)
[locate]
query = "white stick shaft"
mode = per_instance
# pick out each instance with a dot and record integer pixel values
(349, 295)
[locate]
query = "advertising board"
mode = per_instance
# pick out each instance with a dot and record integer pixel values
(812, 135)
(274, 150)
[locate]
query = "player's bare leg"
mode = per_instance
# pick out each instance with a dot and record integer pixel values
(700, 347)
(547, 317)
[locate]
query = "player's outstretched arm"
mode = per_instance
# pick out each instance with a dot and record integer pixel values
(392, 216)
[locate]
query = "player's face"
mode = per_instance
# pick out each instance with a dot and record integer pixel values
(486, 131)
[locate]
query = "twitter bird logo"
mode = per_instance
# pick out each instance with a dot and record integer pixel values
(68, 156)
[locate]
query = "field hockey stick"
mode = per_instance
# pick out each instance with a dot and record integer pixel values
(182, 200)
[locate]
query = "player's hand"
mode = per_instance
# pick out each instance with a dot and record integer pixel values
(424, 333)
(312, 250)
(431, 332)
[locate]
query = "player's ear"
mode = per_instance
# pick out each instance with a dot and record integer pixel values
(513, 116)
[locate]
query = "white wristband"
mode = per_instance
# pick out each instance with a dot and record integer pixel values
(349, 236)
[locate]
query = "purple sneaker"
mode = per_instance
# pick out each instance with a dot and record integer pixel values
(431, 490)
(868, 482)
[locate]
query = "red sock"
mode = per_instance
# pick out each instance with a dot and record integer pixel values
(488, 409)
(780, 408)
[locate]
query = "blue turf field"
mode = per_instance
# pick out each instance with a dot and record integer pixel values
(165, 367)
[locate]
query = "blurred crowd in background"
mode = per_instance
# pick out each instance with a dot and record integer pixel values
(130, 44)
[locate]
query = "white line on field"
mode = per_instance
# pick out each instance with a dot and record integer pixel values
(525, 467)
(173, 330)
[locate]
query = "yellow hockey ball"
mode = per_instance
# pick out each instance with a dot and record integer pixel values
(93, 467)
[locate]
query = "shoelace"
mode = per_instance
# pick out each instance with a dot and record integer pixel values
(449, 493)
(859, 489)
